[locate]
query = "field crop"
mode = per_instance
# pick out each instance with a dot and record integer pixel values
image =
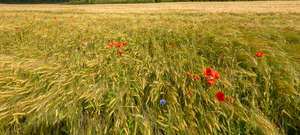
(167, 68)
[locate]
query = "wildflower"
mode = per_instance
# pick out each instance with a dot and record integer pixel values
(124, 63)
(259, 54)
(110, 44)
(124, 43)
(114, 43)
(283, 29)
(90, 46)
(54, 17)
(188, 73)
(162, 101)
(273, 124)
(16, 28)
(71, 16)
(208, 78)
(223, 56)
(210, 82)
(144, 119)
(228, 45)
(85, 38)
(207, 72)
(220, 96)
(285, 69)
(188, 93)
(104, 89)
(120, 52)
(196, 77)
(212, 73)
(230, 100)
(216, 75)
(118, 45)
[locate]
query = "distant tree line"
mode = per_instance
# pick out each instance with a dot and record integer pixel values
(102, 1)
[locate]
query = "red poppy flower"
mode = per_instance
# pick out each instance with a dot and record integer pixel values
(220, 96)
(207, 78)
(210, 82)
(259, 54)
(124, 43)
(196, 77)
(85, 38)
(16, 28)
(109, 44)
(120, 52)
(71, 16)
(211, 72)
(104, 89)
(124, 63)
(188, 73)
(54, 17)
(228, 45)
(114, 43)
(216, 75)
(230, 100)
(188, 93)
(118, 45)
(222, 56)
(207, 72)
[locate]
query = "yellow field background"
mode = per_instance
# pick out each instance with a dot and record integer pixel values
(138, 68)
(195, 7)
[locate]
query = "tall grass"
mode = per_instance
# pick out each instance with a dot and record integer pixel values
(59, 76)
(147, 1)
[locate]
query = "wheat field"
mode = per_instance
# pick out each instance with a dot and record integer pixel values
(165, 68)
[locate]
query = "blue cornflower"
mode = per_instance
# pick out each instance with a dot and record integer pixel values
(162, 101)
(144, 118)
